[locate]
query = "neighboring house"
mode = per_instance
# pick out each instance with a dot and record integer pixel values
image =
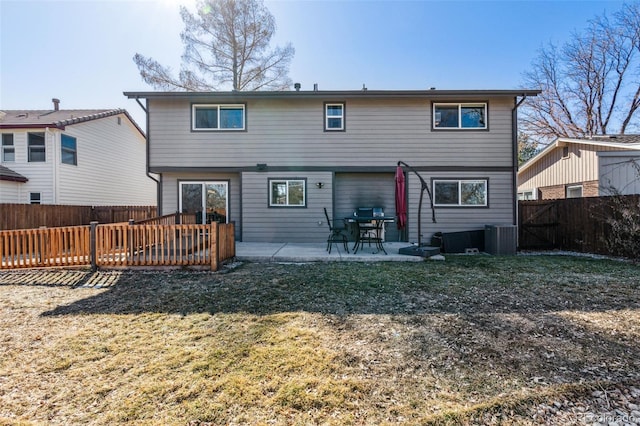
(270, 161)
(73, 157)
(570, 168)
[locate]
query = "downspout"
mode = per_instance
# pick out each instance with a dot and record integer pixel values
(514, 147)
(54, 167)
(145, 108)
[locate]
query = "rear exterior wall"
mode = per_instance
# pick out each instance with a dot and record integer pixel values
(356, 166)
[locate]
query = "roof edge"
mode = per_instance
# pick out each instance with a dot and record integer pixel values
(286, 94)
(564, 141)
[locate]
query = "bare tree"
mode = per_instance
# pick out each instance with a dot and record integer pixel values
(226, 45)
(591, 85)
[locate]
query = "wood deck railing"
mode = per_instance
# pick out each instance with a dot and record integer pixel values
(118, 245)
(45, 247)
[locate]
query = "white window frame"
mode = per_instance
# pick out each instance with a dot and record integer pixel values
(573, 188)
(35, 198)
(36, 148)
(327, 116)
(523, 195)
(460, 105)
(460, 182)
(288, 181)
(67, 150)
(218, 107)
(8, 148)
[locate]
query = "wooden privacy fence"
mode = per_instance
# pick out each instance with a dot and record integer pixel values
(118, 245)
(27, 216)
(577, 224)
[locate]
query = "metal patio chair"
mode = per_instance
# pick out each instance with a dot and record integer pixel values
(337, 234)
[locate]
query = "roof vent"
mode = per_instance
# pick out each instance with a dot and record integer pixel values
(297, 86)
(56, 104)
(315, 87)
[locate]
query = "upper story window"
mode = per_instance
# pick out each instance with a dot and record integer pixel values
(460, 193)
(460, 116)
(69, 152)
(35, 198)
(334, 116)
(218, 117)
(287, 193)
(36, 148)
(8, 149)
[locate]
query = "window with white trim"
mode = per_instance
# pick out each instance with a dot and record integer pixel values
(69, 150)
(526, 195)
(218, 117)
(36, 149)
(287, 193)
(8, 149)
(334, 116)
(460, 193)
(574, 191)
(462, 116)
(35, 198)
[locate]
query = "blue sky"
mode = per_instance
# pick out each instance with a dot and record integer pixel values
(81, 51)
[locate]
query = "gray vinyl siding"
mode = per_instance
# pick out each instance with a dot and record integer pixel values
(262, 223)
(353, 190)
(171, 190)
(291, 133)
(454, 219)
(288, 134)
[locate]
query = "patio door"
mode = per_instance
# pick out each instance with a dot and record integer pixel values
(208, 200)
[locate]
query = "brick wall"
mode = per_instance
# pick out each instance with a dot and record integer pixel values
(589, 189)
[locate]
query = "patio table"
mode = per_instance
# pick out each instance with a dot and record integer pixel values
(369, 229)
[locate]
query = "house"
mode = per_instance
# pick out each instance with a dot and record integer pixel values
(589, 167)
(73, 157)
(271, 161)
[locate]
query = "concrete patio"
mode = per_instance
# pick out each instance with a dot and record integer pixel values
(316, 252)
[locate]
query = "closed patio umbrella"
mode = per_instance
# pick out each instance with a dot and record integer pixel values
(401, 199)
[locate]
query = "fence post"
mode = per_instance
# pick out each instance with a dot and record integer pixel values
(92, 246)
(214, 246)
(131, 250)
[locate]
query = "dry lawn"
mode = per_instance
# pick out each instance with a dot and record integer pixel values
(472, 340)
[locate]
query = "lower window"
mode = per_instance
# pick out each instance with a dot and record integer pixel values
(464, 193)
(287, 193)
(35, 198)
(208, 201)
(574, 191)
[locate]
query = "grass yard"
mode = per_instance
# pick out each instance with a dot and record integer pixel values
(472, 340)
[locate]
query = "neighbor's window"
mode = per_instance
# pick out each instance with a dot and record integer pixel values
(460, 116)
(218, 117)
(8, 149)
(334, 116)
(35, 198)
(529, 194)
(69, 152)
(574, 191)
(36, 148)
(287, 193)
(463, 193)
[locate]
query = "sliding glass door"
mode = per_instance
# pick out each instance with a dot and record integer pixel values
(208, 200)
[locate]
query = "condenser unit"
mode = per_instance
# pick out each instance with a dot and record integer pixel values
(501, 239)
